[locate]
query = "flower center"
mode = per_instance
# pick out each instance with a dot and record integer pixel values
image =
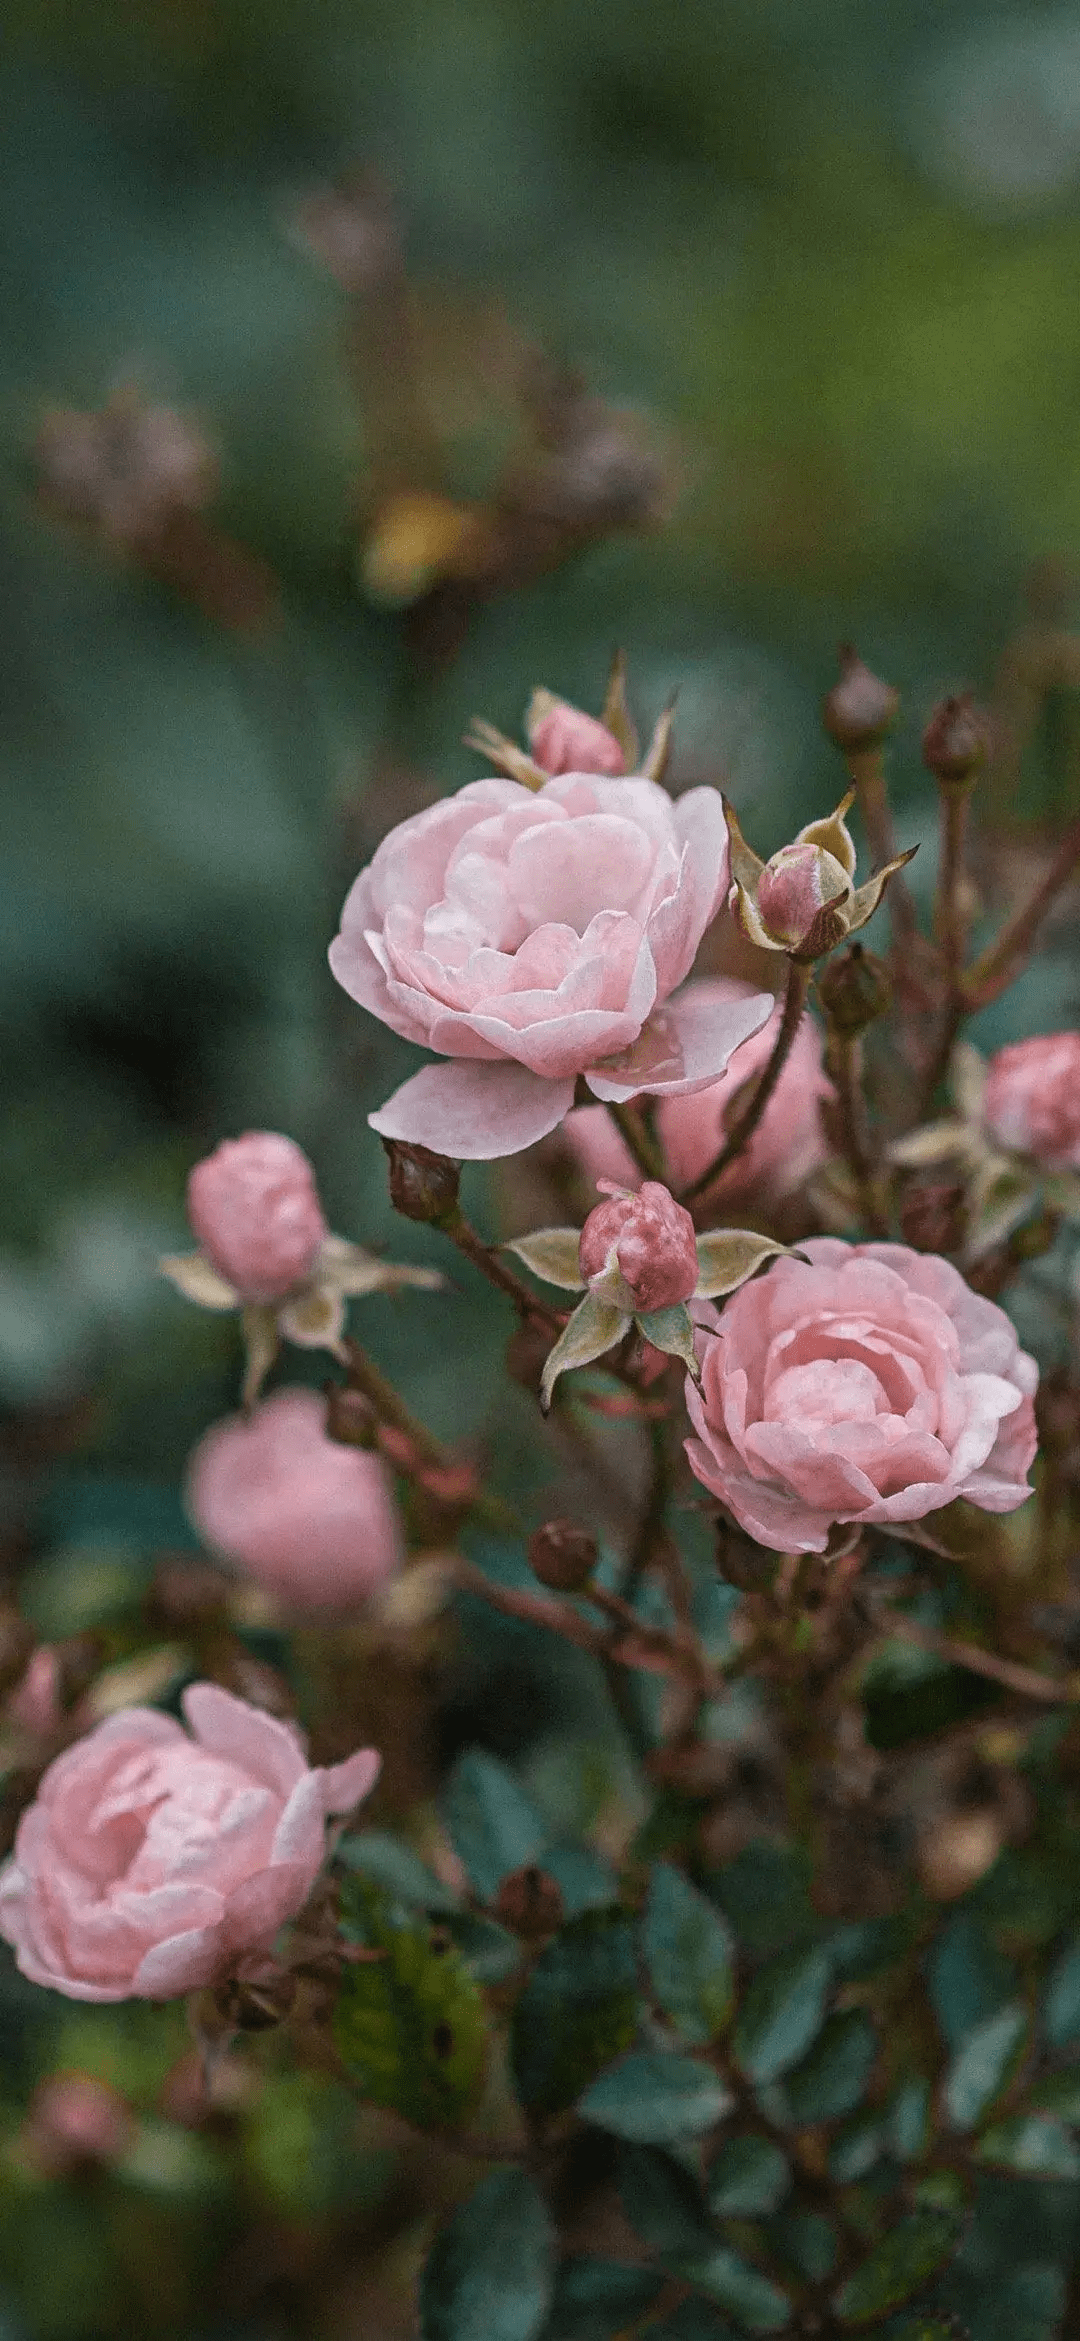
(824, 1392)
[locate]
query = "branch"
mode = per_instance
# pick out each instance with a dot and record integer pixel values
(746, 1123)
(639, 1142)
(845, 1069)
(1024, 1680)
(992, 974)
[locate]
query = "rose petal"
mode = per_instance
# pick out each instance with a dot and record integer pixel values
(346, 1785)
(299, 1834)
(252, 1740)
(257, 1908)
(684, 1046)
(474, 1113)
(182, 1963)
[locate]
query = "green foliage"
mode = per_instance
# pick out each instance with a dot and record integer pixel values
(656, 2100)
(577, 2012)
(781, 2014)
(596, 2298)
(830, 2081)
(490, 2274)
(982, 2065)
(687, 1950)
(900, 2265)
(493, 1825)
(409, 2022)
(748, 2177)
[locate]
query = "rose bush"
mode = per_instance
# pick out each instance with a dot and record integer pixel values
(535, 936)
(865, 1382)
(313, 1521)
(154, 1859)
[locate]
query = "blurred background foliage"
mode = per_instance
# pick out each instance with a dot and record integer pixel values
(828, 250)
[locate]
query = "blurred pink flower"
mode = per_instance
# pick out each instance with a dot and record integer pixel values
(532, 936)
(563, 738)
(866, 1383)
(785, 1148)
(1032, 1100)
(254, 1208)
(75, 2120)
(34, 1704)
(154, 1860)
(640, 1251)
(311, 1520)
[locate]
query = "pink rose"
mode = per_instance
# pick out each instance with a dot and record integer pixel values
(786, 1146)
(254, 1208)
(154, 1860)
(311, 1520)
(566, 740)
(640, 1251)
(865, 1383)
(536, 935)
(794, 886)
(1032, 1102)
(75, 2120)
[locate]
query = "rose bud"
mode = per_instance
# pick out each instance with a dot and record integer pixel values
(854, 990)
(955, 742)
(254, 1209)
(423, 1186)
(1032, 1100)
(563, 739)
(76, 2123)
(860, 710)
(311, 1520)
(795, 885)
(639, 1251)
(530, 1903)
(562, 1555)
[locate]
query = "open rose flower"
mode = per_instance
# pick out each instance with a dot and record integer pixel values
(785, 1148)
(155, 1860)
(866, 1383)
(1031, 1104)
(533, 936)
(310, 1519)
(1011, 1146)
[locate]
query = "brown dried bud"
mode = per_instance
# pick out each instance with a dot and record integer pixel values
(955, 742)
(126, 468)
(562, 1555)
(423, 1186)
(854, 990)
(530, 1903)
(860, 710)
(350, 1417)
(258, 2004)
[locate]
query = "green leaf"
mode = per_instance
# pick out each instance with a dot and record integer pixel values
(855, 2149)
(596, 2298)
(654, 2099)
(983, 2064)
(908, 2120)
(781, 2014)
(410, 2027)
(493, 1826)
(671, 1330)
(831, 2080)
(552, 1254)
(490, 2274)
(491, 1951)
(664, 2204)
(1061, 2010)
(969, 1978)
(688, 1955)
(757, 2303)
(928, 2329)
(1059, 2093)
(905, 2259)
(594, 1328)
(728, 1256)
(693, 2320)
(810, 2243)
(578, 2011)
(748, 2179)
(1035, 2145)
(396, 1870)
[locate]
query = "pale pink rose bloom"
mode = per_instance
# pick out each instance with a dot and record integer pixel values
(1032, 1103)
(865, 1383)
(534, 936)
(647, 1243)
(74, 2119)
(786, 1147)
(254, 1208)
(154, 1860)
(567, 740)
(310, 1519)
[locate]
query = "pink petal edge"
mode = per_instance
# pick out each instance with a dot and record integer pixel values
(472, 1111)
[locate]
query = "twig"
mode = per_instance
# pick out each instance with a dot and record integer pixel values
(845, 1068)
(746, 1123)
(640, 1142)
(991, 974)
(391, 1409)
(867, 769)
(1024, 1680)
(465, 1236)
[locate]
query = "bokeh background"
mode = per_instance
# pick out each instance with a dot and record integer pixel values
(827, 252)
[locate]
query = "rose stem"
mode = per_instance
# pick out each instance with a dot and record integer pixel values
(461, 1232)
(867, 769)
(991, 974)
(845, 1068)
(798, 984)
(365, 1376)
(640, 1142)
(949, 928)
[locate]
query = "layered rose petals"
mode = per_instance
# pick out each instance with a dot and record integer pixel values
(310, 1519)
(154, 1860)
(254, 1208)
(864, 1382)
(535, 937)
(1032, 1100)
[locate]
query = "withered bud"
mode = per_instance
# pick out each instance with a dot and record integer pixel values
(854, 990)
(352, 228)
(955, 742)
(860, 710)
(423, 1186)
(257, 2005)
(350, 1417)
(126, 468)
(530, 1903)
(563, 1555)
(186, 1593)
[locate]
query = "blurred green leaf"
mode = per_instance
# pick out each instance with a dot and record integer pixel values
(596, 2298)
(578, 2011)
(1035, 2145)
(899, 2266)
(748, 2178)
(409, 2025)
(831, 2080)
(856, 2148)
(655, 2099)
(754, 2300)
(663, 2203)
(493, 1826)
(490, 2274)
(693, 2320)
(983, 2064)
(782, 2012)
(908, 2120)
(968, 1976)
(810, 2242)
(1061, 2004)
(688, 1954)
(396, 1870)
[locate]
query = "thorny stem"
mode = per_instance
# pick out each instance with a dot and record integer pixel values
(868, 778)
(464, 1235)
(639, 1141)
(746, 1122)
(991, 974)
(845, 1066)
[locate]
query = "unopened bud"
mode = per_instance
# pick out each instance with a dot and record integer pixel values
(530, 1903)
(639, 1250)
(563, 1555)
(423, 1186)
(350, 1417)
(957, 1851)
(854, 990)
(860, 710)
(76, 2123)
(955, 742)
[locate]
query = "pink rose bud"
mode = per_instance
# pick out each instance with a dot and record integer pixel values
(156, 1860)
(1032, 1103)
(310, 1519)
(35, 1702)
(566, 740)
(646, 1243)
(254, 1207)
(75, 2122)
(794, 885)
